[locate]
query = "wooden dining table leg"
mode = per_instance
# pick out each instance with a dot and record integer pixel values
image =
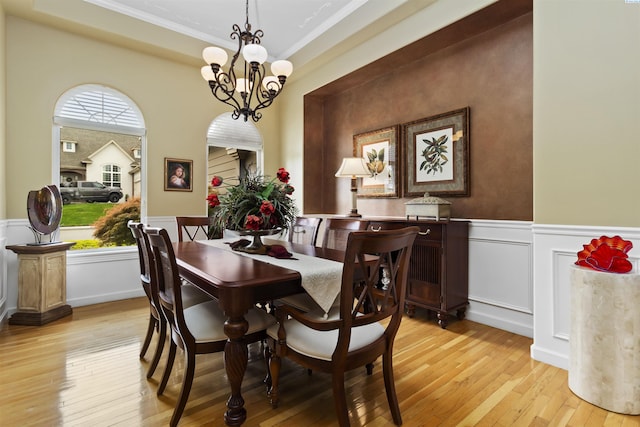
(236, 357)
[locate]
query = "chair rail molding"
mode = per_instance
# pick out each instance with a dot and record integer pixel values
(555, 250)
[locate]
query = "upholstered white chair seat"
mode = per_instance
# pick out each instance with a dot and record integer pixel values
(321, 344)
(191, 295)
(206, 321)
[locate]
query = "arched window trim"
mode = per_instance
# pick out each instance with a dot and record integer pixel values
(133, 125)
(224, 131)
(100, 105)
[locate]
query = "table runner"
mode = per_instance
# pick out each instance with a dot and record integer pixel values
(321, 278)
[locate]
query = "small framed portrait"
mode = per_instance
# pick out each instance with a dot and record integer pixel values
(379, 149)
(177, 174)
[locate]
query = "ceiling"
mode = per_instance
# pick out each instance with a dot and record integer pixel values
(298, 30)
(212, 20)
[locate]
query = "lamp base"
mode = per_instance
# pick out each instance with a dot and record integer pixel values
(354, 214)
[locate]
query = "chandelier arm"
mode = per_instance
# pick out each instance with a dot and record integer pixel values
(223, 90)
(227, 99)
(267, 97)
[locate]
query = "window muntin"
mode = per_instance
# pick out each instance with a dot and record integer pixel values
(111, 176)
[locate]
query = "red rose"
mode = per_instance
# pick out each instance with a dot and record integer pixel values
(267, 208)
(253, 222)
(288, 189)
(213, 200)
(283, 175)
(216, 181)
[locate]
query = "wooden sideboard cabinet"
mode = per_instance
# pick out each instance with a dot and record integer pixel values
(439, 266)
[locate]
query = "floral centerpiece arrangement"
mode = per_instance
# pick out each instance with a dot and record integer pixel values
(257, 202)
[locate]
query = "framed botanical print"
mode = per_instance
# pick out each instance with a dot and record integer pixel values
(379, 149)
(177, 174)
(437, 155)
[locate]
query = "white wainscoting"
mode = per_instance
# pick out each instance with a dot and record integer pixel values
(4, 287)
(518, 276)
(500, 275)
(93, 276)
(555, 250)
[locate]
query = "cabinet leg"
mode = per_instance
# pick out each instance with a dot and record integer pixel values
(411, 309)
(461, 313)
(443, 319)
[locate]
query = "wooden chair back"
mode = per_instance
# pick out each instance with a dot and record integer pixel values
(206, 319)
(193, 227)
(368, 320)
(337, 230)
(304, 231)
(167, 277)
(361, 301)
(156, 319)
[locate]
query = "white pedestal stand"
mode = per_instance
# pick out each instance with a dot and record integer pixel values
(604, 358)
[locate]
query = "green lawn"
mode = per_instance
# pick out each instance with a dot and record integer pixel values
(76, 214)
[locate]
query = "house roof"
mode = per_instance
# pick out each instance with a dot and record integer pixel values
(88, 142)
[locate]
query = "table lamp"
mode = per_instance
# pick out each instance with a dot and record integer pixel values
(353, 167)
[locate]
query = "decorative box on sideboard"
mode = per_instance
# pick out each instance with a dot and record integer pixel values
(439, 267)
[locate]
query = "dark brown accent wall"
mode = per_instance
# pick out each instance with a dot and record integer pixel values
(490, 70)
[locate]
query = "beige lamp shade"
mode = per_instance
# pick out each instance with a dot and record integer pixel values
(353, 167)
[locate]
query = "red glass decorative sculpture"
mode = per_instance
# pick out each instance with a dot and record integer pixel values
(606, 254)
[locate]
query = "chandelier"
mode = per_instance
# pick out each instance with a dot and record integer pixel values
(254, 90)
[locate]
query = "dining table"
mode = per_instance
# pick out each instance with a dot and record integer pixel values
(239, 282)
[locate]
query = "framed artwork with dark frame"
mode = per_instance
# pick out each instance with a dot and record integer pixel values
(437, 155)
(379, 148)
(177, 174)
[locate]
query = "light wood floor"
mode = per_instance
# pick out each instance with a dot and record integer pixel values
(84, 370)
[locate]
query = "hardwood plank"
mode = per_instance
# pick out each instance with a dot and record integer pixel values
(84, 370)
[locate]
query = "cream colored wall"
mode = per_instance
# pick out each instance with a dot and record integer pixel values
(3, 140)
(42, 63)
(586, 112)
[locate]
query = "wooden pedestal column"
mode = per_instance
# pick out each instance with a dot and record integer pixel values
(42, 283)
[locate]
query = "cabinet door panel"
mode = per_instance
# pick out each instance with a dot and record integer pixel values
(423, 293)
(424, 273)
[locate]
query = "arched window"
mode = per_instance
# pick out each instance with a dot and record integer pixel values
(234, 146)
(98, 137)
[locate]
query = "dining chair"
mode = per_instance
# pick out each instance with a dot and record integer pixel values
(336, 231)
(193, 227)
(157, 322)
(350, 337)
(304, 230)
(197, 329)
